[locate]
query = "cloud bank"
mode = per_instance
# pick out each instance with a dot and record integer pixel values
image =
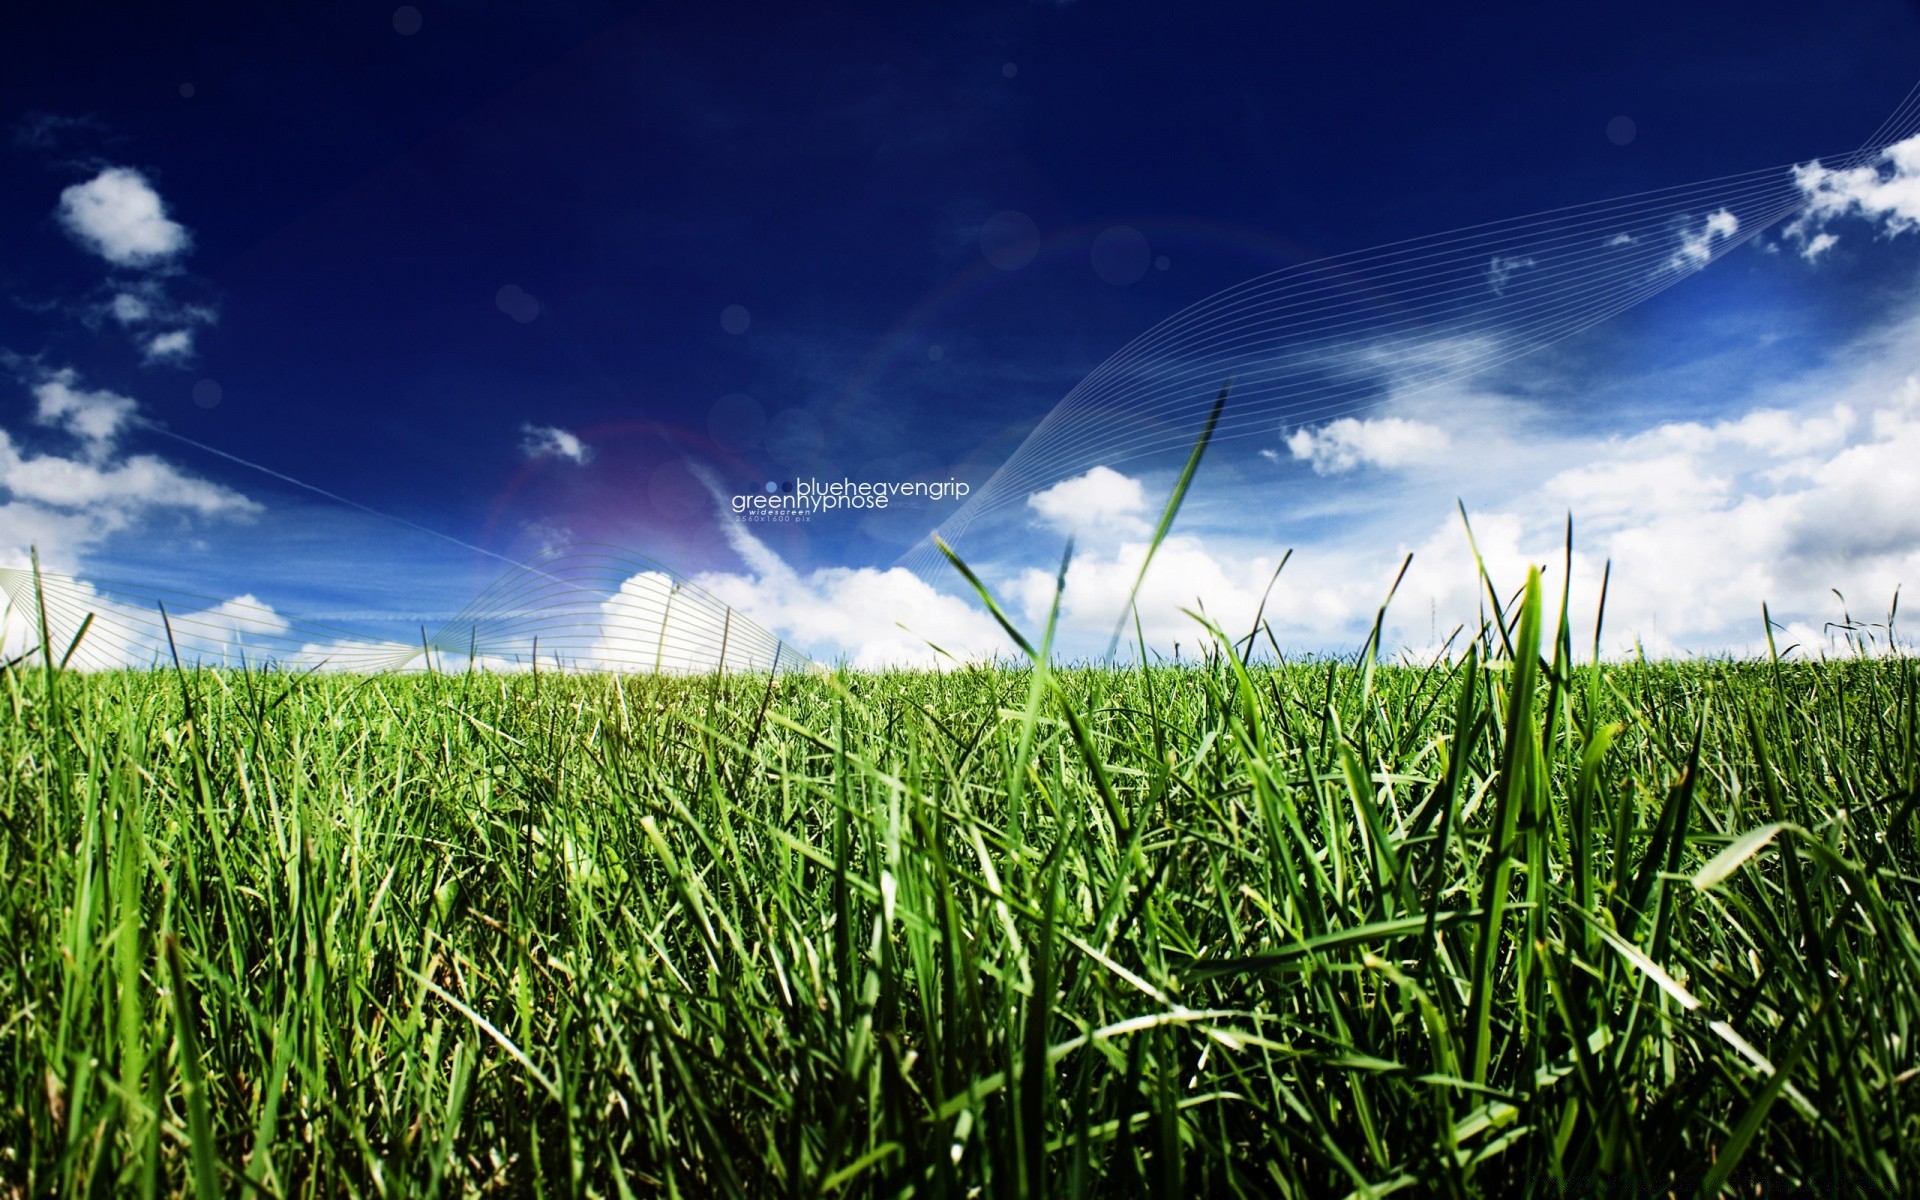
(1804, 488)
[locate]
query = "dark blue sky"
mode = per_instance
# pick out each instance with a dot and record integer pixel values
(359, 196)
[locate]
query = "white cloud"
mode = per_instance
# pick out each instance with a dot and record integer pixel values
(123, 633)
(1187, 574)
(1697, 242)
(130, 309)
(245, 613)
(868, 617)
(162, 328)
(115, 492)
(1809, 488)
(1817, 245)
(96, 418)
(1884, 192)
(549, 441)
(1102, 501)
(1701, 522)
(67, 504)
(1805, 486)
(1387, 442)
(176, 345)
(1501, 268)
(119, 216)
(631, 628)
(374, 656)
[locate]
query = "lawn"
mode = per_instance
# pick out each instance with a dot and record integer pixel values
(1509, 923)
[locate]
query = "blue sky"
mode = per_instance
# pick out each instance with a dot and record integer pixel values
(526, 274)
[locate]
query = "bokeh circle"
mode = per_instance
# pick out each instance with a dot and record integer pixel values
(517, 303)
(1010, 240)
(1121, 255)
(737, 422)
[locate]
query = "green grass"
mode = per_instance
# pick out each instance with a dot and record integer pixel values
(1501, 926)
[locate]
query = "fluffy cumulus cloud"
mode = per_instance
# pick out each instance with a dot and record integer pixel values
(1386, 442)
(632, 629)
(550, 441)
(866, 617)
(1100, 501)
(1189, 577)
(1703, 522)
(1885, 192)
(119, 216)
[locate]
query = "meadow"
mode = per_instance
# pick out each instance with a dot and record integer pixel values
(1511, 922)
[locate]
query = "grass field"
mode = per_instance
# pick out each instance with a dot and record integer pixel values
(1507, 924)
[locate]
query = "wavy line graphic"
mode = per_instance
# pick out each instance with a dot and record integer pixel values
(1337, 336)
